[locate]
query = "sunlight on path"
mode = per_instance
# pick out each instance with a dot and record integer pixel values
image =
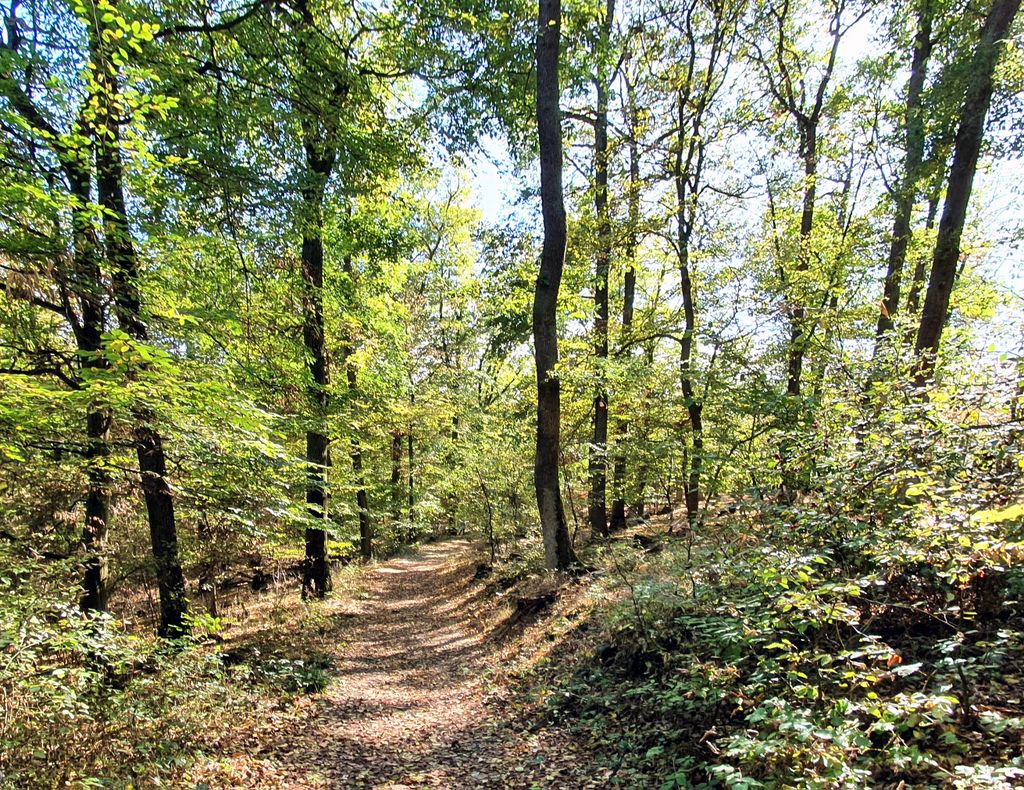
(407, 709)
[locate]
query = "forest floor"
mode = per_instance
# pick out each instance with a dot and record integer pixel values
(414, 699)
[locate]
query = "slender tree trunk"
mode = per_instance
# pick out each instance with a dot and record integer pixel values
(558, 549)
(95, 589)
(643, 469)
(489, 510)
(316, 574)
(906, 194)
(694, 408)
(362, 500)
(628, 297)
(397, 445)
(451, 504)
(597, 510)
(798, 330)
(412, 479)
(124, 267)
(966, 150)
(208, 573)
(163, 532)
(804, 103)
(89, 337)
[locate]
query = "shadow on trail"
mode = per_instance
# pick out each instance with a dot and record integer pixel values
(407, 708)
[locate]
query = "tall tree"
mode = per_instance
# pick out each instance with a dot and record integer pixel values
(704, 65)
(618, 515)
(787, 74)
(907, 191)
(598, 461)
(125, 269)
(320, 156)
(356, 449)
(966, 149)
(73, 264)
(558, 551)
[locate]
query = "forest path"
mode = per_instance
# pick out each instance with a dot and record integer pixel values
(407, 707)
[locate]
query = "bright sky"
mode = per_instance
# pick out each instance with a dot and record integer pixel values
(997, 204)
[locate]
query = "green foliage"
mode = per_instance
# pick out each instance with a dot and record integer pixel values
(86, 703)
(838, 624)
(868, 633)
(296, 675)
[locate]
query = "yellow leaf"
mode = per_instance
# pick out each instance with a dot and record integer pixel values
(1011, 513)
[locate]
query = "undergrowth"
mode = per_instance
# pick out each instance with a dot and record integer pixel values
(867, 634)
(86, 703)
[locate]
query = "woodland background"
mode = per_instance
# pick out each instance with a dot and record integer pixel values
(254, 325)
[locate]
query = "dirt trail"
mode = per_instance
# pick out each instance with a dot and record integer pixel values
(407, 706)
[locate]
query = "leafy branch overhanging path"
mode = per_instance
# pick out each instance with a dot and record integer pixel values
(408, 705)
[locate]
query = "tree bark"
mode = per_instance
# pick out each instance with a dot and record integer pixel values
(84, 281)
(684, 226)
(966, 149)
(95, 580)
(558, 551)
(362, 500)
(597, 510)
(798, 331)
(320, 158)
(412, 479)
(618, 520)
(124, 266)
(906, 194)
(397, 442)
(88, 332)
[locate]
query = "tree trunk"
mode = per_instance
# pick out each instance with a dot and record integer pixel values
(966, 150)
(798, 331)
(163, 532)
(85, 281)
(489, 510)
(906, 195)
(643, 471)
(316, 574)
(694, 408)
(597, 511)
(628, 297)
(207, 580)
(362, 500)
(124, 267)
(89, 337)
(451, 505)
(558, 551)
(397, 442)
(412, 479)
(95, 590)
